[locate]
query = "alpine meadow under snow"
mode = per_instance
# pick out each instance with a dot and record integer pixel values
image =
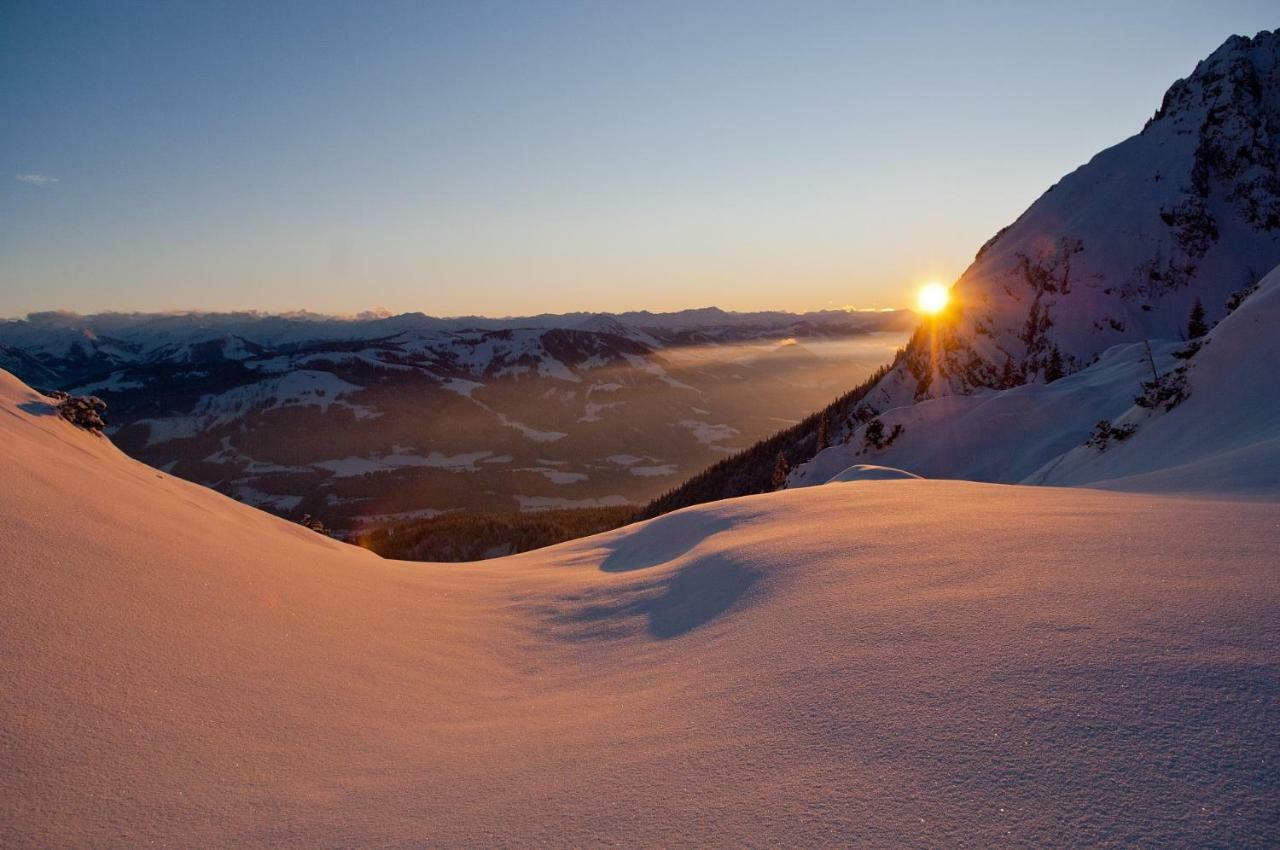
(1019, 588)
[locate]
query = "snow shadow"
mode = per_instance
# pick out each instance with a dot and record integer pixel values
(673, 603)
(663, 539)
(38, 408)
(696, 595)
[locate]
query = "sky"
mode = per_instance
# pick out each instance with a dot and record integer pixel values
(515, 158)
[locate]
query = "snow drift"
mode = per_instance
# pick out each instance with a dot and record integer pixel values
(877, 663)
(869, 472)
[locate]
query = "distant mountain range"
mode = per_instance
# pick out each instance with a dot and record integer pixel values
(374, 420)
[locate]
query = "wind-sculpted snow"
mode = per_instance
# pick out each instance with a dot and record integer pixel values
(874, 663)
(869, 472)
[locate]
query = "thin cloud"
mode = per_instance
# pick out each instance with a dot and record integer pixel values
(35, 179)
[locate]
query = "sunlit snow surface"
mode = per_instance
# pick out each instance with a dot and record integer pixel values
(876, 663)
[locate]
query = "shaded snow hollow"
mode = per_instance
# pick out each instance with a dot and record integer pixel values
(881, 664)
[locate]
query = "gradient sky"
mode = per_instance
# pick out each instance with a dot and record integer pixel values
(510, 158)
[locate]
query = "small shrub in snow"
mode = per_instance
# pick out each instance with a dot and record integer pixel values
(1239, 296)
(1055, 368)
(1192, 349)
(1167, 391)
(875, 438)
(313, 523)
(1010, 375)
(1104, 432)
(83, 411)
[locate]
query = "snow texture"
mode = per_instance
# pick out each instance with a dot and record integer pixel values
(880, 664)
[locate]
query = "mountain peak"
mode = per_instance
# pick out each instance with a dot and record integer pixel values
(1243, 71)
(1236, 45)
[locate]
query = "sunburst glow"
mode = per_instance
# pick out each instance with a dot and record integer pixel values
(933, 298)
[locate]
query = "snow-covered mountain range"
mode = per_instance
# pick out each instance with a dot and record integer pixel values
(380, 419)
(61, 345)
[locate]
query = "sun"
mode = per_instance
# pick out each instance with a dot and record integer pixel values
(933, 298)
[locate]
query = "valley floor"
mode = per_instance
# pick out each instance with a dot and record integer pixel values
(877, 663)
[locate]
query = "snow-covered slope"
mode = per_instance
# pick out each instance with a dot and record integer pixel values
(179, 669)
(1225, 437)
(993, 435)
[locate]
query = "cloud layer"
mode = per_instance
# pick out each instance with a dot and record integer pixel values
(35, 179)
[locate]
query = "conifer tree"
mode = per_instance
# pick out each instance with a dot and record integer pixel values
(1008, 375)
(1196, 326)
(780, 470)
(824, 435)
(1054, 370)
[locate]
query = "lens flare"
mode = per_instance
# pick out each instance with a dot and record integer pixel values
(933, 298)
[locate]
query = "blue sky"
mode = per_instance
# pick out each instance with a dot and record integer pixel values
(507, 158)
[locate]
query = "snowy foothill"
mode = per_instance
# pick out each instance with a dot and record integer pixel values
(295, 389)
